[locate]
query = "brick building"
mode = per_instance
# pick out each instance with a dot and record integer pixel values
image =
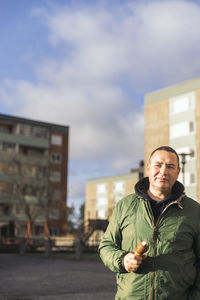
(33, 176)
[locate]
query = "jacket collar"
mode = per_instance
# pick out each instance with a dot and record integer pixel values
(142, 187)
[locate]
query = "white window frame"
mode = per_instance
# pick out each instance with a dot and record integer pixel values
(182, 103)
(55, 176)
(56, 140)
(54, 214)
(183, 129)
(188, 181)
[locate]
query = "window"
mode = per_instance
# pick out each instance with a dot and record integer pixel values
(118, 190)
(191, 126)
(56, 195)
(56, 158)
(192, 178)
(20, 209)
(54, 231)
(56, 140)
(5, 210)
(189, 178)
(5, 129)
(28, 150)
(54, 213)
(40, 132)
(182, 103)
(102, 188)
(118, 186)
(39, 230)
(55, 176)
(181, 129)
(102, 200)
(102, 205)
(5, 187)
(25, 129)
(8, 147)
(102, 213)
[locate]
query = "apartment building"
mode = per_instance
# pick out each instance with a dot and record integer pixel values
(33, 177)
(172, 117)
(103, 193)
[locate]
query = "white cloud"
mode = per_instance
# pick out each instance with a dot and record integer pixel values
(142, 41)
(102, 124)
(102, 54)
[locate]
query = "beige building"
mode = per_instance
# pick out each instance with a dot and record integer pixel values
(102, 194)
(33, 177)
(172, 117)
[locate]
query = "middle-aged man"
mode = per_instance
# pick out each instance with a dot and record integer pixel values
(160, 214)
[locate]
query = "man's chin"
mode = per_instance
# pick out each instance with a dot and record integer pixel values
(163, 185)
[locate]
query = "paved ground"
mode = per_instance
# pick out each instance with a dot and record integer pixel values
(26, 278)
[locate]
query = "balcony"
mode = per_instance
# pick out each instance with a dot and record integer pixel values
(38, 160)
(24, 180)
(8, 198)
(25, 140)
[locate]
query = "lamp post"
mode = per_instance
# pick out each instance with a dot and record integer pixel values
(183, 162)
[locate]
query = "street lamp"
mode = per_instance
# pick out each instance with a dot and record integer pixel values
(183, 162)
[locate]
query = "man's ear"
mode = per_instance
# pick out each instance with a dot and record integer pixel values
(147, 169)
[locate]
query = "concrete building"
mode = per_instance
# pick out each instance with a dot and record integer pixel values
(33, 177)
(102, 194)
(172, 117)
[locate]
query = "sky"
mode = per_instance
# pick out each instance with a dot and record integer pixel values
(88, 65)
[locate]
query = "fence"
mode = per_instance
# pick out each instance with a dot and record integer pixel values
(55, 244)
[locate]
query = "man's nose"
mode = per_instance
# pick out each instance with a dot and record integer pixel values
(163, 169)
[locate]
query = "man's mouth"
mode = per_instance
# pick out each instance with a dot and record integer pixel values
(162, 179)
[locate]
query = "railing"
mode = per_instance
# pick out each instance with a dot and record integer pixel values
(56, 244)
(91, 226)
(25, 140)
(59, 243)
(38, 160)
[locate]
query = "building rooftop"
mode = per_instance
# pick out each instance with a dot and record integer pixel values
(174, 90)
(133, 174)
(51, 126)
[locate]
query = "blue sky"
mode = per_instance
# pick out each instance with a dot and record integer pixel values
(88, 64)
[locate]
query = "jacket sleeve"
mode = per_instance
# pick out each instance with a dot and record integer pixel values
(110, 246)
(195, 291)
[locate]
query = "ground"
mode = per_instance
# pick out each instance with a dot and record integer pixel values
(39, 278)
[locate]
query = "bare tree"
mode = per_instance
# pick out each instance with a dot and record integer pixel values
(28, 183)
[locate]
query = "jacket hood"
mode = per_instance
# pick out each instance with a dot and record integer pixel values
(142, 187)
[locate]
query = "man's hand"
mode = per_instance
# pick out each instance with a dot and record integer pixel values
(132, 262)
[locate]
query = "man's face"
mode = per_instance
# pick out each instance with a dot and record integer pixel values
(163, 171)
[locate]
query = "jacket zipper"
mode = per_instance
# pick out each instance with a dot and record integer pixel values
(155, 235)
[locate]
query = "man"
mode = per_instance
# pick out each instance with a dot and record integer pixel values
(160, 214)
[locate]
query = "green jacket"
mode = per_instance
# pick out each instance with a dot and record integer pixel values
(171, 270)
